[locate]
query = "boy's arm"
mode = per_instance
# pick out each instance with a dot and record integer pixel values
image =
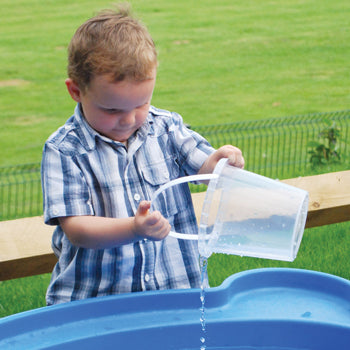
(100, 232)
(233, 154)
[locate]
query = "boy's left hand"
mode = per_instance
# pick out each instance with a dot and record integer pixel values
(234, 155)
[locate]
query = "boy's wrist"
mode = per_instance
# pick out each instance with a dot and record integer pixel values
(135, 230)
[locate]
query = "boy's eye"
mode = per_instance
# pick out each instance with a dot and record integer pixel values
(112, 110)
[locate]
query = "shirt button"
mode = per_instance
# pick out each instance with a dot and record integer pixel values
(147, 277)
(137, 197)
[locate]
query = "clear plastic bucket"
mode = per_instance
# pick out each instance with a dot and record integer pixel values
(247, 214)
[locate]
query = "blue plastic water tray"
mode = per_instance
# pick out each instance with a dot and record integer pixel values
(257, 309)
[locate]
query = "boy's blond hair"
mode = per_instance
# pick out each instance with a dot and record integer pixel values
(112, 43)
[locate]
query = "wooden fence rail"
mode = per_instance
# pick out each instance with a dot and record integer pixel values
(25, 244)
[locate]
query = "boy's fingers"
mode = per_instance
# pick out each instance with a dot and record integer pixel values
(236, 160)
(143, 208)
(156, 226)
(154, 218)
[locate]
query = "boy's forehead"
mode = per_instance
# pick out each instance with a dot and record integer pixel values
(121, 94)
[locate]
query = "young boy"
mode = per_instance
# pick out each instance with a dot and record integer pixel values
(100, 169)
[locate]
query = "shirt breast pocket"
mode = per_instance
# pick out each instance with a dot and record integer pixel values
(157, 174)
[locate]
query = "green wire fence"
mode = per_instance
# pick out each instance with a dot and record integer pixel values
(20, 191)
(278, 148)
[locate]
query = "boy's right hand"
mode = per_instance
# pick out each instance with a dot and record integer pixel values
(152, 226)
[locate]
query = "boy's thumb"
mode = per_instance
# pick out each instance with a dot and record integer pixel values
(143, 207)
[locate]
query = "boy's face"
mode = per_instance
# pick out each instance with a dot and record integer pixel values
(115, 110)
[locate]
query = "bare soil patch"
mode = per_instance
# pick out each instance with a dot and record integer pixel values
(13, 82)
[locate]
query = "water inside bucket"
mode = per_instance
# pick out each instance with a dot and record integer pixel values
(269, 238)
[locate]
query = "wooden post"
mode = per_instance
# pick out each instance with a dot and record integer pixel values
(329, 200)
(25, 248)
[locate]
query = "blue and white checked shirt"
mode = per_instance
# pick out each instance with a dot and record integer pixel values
(85, 173)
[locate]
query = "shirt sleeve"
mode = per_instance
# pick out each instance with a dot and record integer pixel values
(194, 149)
(65, 192)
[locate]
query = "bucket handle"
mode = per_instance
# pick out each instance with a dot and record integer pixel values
(198, 177)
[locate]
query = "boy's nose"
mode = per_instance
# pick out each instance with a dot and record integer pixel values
(128, 118)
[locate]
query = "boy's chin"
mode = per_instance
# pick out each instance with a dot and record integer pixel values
(122, 139)
(118, 137)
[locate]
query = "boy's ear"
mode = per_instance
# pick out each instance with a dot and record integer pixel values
(73, 90)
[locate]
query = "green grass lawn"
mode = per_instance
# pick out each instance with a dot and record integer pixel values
(220, 62)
